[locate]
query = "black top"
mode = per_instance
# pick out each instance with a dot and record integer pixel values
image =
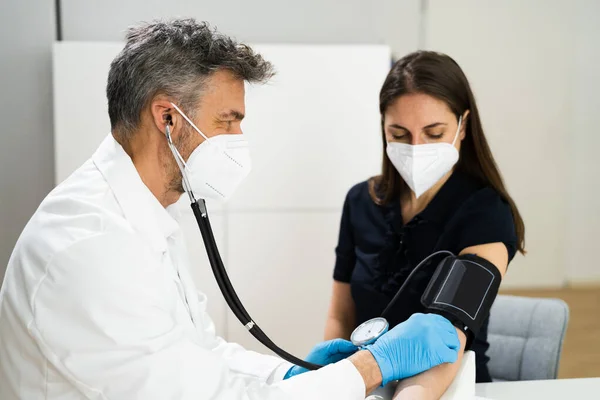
(376, 251)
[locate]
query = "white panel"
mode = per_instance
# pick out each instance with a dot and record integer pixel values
(584, 218)
(312, 118)
(281, 264)
(80, 106)
(200, 266)
(342, 150)
(315, 128)
(518, 57)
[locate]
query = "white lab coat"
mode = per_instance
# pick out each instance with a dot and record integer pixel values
(98, 303)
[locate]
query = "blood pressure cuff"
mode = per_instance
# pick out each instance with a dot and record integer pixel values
(463, 290)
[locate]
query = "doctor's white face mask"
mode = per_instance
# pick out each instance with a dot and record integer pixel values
(216, 167)
(422, 165)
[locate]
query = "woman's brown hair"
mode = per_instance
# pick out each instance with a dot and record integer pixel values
(439, 76)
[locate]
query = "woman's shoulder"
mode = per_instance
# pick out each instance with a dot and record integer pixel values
(482, 205)
(359, 192)
(477, 194)
(484, 217)
(486, 198)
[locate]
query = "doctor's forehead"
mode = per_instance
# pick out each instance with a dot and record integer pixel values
(224, 95)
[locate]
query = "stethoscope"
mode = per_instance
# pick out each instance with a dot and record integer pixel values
(365, 334)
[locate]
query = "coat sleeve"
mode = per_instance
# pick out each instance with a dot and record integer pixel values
(102, 318)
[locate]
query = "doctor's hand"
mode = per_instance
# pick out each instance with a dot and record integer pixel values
(324, 353)
(416, 345)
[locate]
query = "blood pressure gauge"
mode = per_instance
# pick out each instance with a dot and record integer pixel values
(369, 331)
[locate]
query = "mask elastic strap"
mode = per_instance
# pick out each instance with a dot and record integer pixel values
(457, 130)
(180, 163)
(190, 122)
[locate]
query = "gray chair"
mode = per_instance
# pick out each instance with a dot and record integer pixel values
(526, 337)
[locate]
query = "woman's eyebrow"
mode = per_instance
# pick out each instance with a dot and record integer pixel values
(434, 125)
(397, 126)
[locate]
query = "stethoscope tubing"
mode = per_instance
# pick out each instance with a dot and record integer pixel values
(229, 293)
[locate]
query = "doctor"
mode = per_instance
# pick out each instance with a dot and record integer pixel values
(98, 302)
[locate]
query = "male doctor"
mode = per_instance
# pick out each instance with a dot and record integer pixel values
(98, 302)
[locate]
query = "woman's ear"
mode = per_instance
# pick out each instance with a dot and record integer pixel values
(465, 120)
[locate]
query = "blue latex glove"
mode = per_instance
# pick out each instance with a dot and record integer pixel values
(416, 345)
(324, 353)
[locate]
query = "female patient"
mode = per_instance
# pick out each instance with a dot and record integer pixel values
(439, 189)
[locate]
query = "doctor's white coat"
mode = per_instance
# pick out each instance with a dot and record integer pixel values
(98, 303)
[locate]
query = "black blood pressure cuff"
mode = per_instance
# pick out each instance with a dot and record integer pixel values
(463, 290)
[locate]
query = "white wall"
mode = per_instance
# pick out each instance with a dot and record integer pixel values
(583, 229)
(26, 159)
(518, 57)
(391, 22)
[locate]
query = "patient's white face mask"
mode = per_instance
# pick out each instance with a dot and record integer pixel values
(216, 167)
(423, 165)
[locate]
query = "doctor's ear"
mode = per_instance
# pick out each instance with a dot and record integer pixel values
(162, 114)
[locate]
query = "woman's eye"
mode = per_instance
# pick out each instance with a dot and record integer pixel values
(399, 135)
(433, 136)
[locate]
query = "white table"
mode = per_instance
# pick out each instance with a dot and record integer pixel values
(558, 389)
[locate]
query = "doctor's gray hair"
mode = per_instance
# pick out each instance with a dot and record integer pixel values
(173, 58)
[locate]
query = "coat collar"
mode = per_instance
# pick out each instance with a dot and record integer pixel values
(140, 207)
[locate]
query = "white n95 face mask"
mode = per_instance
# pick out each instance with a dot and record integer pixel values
(423, 165)
(216, 167)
